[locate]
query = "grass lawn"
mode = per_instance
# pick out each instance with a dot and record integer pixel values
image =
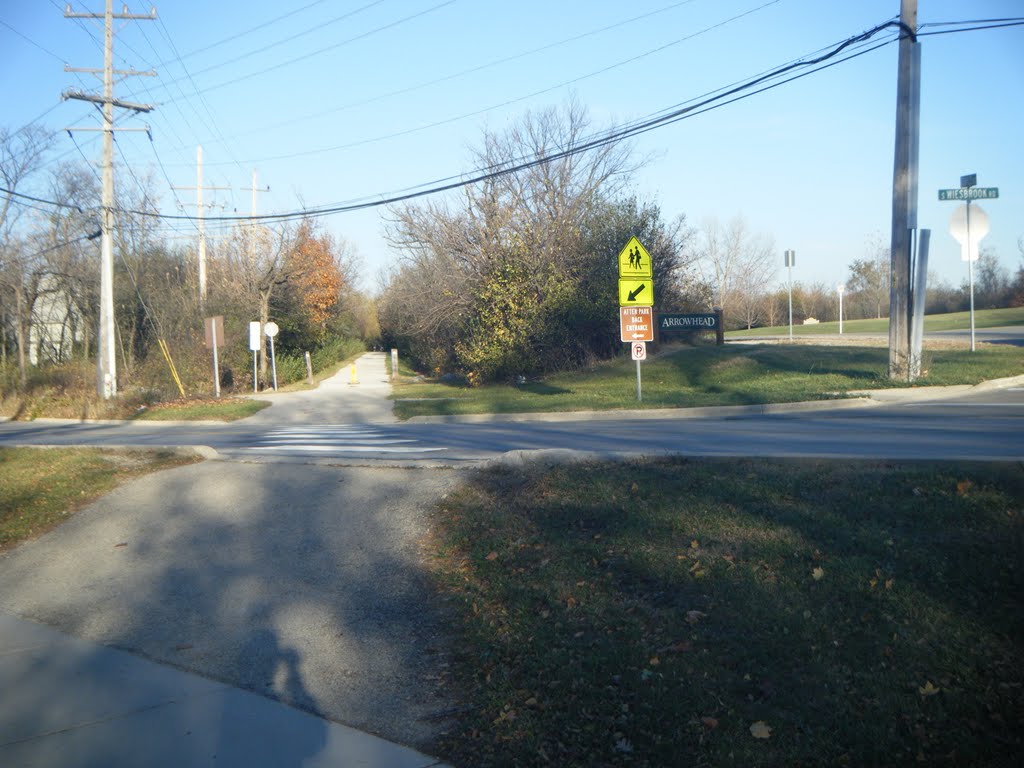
(41, 487)
(738, 374)
(736, 612)
(226, 409)
(954, 321)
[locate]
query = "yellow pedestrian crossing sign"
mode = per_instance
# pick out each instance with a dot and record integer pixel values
(634, 260)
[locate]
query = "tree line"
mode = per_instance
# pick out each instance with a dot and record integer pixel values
(513, 275)
(297, 274)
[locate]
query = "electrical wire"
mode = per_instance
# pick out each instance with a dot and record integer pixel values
(462, 73)
(331, 47)
(602, 140)
(519, 99)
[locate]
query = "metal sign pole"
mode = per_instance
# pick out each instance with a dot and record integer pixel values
(216, 368)
(970, 268)
(273, 362)
(639, 394)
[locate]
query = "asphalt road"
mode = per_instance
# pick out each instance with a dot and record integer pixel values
(987, 425)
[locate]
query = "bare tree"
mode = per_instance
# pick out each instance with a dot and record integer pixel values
(868, 282)
(737, 265)
(22, 153)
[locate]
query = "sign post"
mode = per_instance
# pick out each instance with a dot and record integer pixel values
(840, 288)
(254, 345)
(639, 350)
(790, 261)
(636, 302)
(960, 225)
(271, 330)
(215, 331)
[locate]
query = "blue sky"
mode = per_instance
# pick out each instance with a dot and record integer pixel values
(338, 100)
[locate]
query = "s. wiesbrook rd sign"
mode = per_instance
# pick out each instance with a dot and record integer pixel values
(969, 193)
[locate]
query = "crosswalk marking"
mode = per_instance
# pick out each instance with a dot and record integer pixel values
(337, 439)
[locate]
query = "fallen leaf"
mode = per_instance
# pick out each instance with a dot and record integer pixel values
(655, 661)
(928, 689)
(681, 647)
(694, 616)
(492, 556)
(760, 730)
(694, 544)
(818, 573)
(889, 583)
(963, 487)
(122, 544)
(709, 722)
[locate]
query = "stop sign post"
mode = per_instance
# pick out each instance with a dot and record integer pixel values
(969, 232)
(270, 329)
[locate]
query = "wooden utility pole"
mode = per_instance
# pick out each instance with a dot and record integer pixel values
(201, 223)
(904, 193)
(106, 363)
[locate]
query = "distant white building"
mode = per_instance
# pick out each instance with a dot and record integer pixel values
(56, 324)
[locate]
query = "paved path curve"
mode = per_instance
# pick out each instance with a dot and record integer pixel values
(337, 400)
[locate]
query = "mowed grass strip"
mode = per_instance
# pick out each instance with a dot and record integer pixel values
(740, 374)
(41, 487)
(952, 321)
(228, 409)
(736, 612)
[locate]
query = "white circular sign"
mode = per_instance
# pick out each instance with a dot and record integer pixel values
(271, 329)
(958, 228)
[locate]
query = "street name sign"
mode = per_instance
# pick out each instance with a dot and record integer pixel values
(636, 324)
(969, 193)
(692, 322)
(634, 260)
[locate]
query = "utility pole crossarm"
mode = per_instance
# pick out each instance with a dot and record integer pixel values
(101, 100)
(69, 14)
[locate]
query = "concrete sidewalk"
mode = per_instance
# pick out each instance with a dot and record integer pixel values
(67, 702)
(338, 400)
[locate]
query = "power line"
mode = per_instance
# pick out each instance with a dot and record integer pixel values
(518, 99)
(330, 47)
(594, 143)
(297, 35)
(249, 31)
(469, 71)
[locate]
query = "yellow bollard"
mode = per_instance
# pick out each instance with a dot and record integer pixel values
(354, 380)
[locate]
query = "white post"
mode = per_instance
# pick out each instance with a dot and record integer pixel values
(970, 268)
(216, 367)
(840, 288)
(255, 375)
(273, 362)
(639, 395)
(790, 258)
